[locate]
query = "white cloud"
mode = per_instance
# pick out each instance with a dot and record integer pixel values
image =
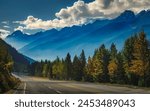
(4, 33)
(21, 28)
(5, 22)
(81, 13)
(6, 26)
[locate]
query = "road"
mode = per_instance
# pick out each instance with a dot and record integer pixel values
(35, 85)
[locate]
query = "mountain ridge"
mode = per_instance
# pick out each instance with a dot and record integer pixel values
(74, 39)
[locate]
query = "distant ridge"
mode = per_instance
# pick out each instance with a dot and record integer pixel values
(52, 43)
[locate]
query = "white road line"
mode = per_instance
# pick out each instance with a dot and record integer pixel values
(24, 89)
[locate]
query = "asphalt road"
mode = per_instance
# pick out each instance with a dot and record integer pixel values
(34, 85)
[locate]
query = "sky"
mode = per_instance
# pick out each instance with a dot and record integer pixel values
(31, 16)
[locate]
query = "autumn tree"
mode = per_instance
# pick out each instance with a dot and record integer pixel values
(97, 67)
(140, 63)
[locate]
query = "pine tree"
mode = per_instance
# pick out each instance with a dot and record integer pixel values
(97, 67)
(113, 66)
(77, 75)
(104, 60)
(58, 69)
(49, 70)
(128, 57)
(82, 60)
(128, 52)
(89, 70)
(68, 66)
(147, 76)
(120, 77)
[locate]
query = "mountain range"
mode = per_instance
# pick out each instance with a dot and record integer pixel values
(52, 43)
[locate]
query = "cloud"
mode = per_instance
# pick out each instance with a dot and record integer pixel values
(4, 33)
(6, 26)
(21, 28)
(5, 22)
(82, 13)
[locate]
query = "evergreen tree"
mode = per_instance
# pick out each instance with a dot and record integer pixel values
(120, 77)
(113, 66)
(147, 76)
(128, 52)
(68, 67)
(82, 65)
(58, 69)
(50, 70)
(89, 71)
(77, 75)
(113, 51)
(128, 57)
(104, 61)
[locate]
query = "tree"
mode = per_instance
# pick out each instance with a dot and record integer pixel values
(140, 64)
(128, 52)
(58, 69)
(68, 66)
(113, 66)
(113, 51)
(82, 60)
(147, 76)
(128, 57)
(50, 70)
(120, 77)
(89, 70)
(104, 61)
(77, 75)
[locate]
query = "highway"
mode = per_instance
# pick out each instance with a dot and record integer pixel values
(36, 85)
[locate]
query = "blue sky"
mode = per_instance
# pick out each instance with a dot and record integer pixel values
(11, 10)
(31, 16)
(15, 10)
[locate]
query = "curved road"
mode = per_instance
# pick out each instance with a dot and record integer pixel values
(35, 85)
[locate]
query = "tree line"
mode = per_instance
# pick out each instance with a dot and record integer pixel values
(131, 65)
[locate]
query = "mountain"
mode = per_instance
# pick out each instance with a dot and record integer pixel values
(20, 62)
(52, 43)
(19, 39)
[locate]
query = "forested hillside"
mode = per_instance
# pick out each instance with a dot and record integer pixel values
(21, 63)
(131, 65)
(7, 81)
